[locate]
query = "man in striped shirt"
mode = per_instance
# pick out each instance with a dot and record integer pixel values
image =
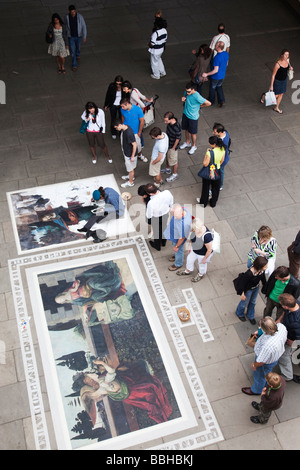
(156, 48)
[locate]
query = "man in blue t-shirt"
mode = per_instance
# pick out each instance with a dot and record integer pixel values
(193, 101)
(217, 74)
(133, 116)
(177, 232)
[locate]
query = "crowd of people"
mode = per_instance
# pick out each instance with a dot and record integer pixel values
(169, 221)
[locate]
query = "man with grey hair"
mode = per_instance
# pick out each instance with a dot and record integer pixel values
(177, 232)
(268, 348)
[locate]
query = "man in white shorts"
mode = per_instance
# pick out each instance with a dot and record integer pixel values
(158, 156)
(129, 148)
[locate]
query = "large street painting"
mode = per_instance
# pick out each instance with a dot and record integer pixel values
(49, 216)
(111, 379)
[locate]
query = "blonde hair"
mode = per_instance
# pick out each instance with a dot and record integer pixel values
(197, 225)
(273, 379)
(264, 232)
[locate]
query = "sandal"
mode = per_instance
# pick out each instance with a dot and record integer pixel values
(198, 277)
(262, 98)
(182, 273)
(59, 71)
(279, 111)
(174, 268)
(63, 71)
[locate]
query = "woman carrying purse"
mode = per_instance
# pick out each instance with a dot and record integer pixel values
(213, 159)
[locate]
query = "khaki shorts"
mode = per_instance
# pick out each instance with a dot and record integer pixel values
(154, 170)
(130, 166)
(172, 157)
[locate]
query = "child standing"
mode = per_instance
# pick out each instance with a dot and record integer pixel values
(271, 398)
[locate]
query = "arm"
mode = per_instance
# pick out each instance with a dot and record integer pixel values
(134, 149)
(205, 104)
(142, 121)
(158, 159)
(212, 72)
(179, 242)
(208, 252)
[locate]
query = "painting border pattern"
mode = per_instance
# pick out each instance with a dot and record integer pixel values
(212, 432)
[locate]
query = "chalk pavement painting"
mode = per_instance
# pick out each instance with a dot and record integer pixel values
(111, 379)
(49, 216)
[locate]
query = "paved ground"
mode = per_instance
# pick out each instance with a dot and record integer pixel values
(40, 144)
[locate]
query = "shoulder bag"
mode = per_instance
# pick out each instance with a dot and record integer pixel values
(210, 172)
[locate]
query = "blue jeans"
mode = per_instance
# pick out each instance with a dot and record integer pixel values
(259, 377)
(179, 255)
(222, 171)
(249, 303)
(74, 44)
(216, 86)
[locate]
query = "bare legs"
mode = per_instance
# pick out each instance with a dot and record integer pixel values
(61, 64)
(278, 100)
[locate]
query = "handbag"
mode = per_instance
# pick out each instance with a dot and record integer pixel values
(238, 284)
(49, 39)
(251, 340)
(210, 172)
(290, 74)
(83, 127)
(270, 98)
(216, 242)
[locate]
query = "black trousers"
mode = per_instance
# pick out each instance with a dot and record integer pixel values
(159, 225)
(215, 189)
(115, 113)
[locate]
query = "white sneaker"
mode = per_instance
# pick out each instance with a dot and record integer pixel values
(109, 160)
(163, 74)
(94, 160)
(172, 178)
(126, 177)
(153, 76)
(209, 194)
(198, 200)
(127, 185)
(114, 137)
(144, 159)
(184, 145)
(193, 150)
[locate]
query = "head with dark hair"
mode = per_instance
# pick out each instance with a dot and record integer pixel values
(191, 86)
(282, 273)
(126, 86)
(215, 141)
(56, 16)
(118, 80)
(150, 188)
(125, 102)
(159, 23)
(260, 263)
(91, 108)
(71, 7)
(204, 50)
(155, 132)
(287, 300)
(283, 53)
(218, 128)
(142, 190)
(221, 28)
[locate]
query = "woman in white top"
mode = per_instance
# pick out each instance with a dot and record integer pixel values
(94, 116)
(136, 97)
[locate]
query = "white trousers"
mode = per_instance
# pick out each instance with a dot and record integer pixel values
(157, 65)
(192, 257)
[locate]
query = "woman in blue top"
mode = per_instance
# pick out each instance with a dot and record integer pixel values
(220, 131)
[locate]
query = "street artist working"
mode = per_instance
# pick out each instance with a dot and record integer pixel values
(50, 216)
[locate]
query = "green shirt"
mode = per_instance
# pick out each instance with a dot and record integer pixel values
(278, 289)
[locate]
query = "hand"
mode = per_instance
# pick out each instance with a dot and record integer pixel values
(84, 40)
(183, 99)
(175, 248)
(194, 51)
(253, 366)
(204, 75)
(243, 297)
